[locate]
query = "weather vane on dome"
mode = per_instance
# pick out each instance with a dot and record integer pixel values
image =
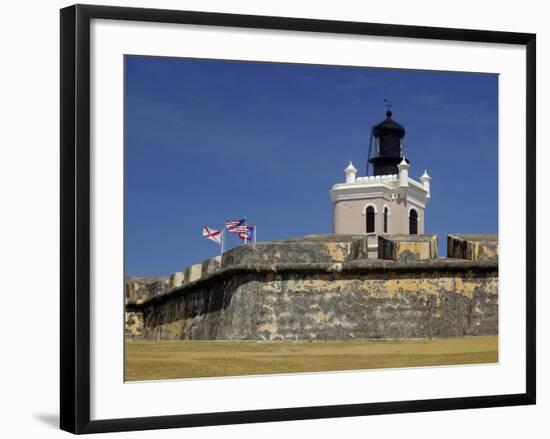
(388, 104)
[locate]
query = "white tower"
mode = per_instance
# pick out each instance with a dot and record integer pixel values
(389, 202)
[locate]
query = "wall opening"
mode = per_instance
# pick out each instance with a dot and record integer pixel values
(413, 222)
(370, 219)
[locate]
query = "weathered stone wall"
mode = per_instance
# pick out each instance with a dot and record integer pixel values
(407, 247)
(317, 290)
(139, 289)
(134, 325)
(426, 302)
(314, 248)
(473, 247)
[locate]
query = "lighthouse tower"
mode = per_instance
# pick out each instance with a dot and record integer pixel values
(387, 202)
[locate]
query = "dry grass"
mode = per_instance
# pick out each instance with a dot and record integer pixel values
(192, 359)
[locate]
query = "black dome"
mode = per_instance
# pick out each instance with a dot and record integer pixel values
(389, 127)
(389, 146)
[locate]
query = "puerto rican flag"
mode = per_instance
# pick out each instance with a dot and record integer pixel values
(213, 235)
(233, 226)
(246, 234)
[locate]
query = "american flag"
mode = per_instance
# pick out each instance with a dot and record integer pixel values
(240, 229)
(232, 224)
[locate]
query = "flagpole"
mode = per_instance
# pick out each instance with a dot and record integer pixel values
(255, 237)
(246, 232)
(223, 240)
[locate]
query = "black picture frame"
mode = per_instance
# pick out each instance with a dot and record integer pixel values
(75, 217)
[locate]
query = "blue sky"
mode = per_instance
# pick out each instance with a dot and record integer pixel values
(210, 140)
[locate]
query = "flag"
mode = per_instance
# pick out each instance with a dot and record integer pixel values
(239, 229)
(247, 234)
(231, 224)
(213, 235)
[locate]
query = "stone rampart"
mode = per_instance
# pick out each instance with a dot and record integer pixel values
(316, 288)
(473, 247)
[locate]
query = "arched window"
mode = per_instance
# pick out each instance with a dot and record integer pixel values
(386, 213)
(370, 219)
(413, 222)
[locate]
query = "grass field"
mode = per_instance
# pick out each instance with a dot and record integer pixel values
(193, 359)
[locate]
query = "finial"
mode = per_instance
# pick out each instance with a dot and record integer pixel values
(388, 104)
(350, 173)
(351, 167)
(425, 179)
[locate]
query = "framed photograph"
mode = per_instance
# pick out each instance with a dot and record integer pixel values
(274, 218)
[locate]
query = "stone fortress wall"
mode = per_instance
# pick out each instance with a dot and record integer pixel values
(324, 287)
